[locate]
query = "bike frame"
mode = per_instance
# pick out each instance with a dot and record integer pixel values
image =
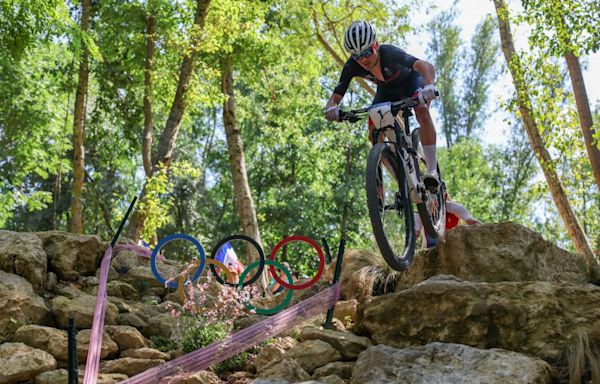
(402, 147)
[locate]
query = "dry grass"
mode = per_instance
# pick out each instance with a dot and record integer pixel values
(363, 273)
(583, 357)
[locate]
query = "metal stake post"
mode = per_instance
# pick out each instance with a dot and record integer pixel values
(336, 277)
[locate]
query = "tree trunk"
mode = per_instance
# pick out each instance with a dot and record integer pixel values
(556, 189)
(585, 114)
(169, 135)
(76, 220)
(237, 161)
(148, 127)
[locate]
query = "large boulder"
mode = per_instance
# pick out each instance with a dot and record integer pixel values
(19, 305)
(19, 362)
(81, 308)
(129, 366)
(23, 255)
(71, 255)
(108, 349)
(126, 337)
(287, 369)
(494, 253)
(309, 355)
(52, 340)
(537, 318)
(348, 344)
(440, 363)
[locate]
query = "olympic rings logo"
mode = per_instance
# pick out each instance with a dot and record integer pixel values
(202, 261)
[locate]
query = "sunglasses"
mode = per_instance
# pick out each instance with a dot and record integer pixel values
(366, 53)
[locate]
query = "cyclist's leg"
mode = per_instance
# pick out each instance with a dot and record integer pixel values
(427, 133)
(379, 97)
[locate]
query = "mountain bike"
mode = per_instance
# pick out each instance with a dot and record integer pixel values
(394, 182)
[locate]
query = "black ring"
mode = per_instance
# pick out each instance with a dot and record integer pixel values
(261, 255)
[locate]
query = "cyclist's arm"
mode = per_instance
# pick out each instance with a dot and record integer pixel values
(348, 72)
(335, 99)
(425, 69)
(459, 210)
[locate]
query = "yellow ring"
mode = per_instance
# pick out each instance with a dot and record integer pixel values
(214, 262)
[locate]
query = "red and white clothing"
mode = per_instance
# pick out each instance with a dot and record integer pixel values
(454, 213)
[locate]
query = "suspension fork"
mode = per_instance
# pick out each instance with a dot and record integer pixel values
(407, 157)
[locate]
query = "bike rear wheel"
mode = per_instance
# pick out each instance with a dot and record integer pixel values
(390, 207)
(433, 210)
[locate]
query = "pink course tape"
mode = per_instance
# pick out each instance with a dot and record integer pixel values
(93, 358)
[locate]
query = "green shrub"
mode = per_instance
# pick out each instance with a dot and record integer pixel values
(201, 336)
(163, 344)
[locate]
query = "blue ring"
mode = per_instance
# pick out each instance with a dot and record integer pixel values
(162, 243)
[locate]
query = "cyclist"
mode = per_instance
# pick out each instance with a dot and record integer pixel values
(398, 75)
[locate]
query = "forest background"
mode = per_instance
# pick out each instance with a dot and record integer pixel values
(213, 111)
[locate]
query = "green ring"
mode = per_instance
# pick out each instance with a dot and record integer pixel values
(285, 301)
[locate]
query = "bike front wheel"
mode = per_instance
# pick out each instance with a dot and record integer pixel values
(390, 207)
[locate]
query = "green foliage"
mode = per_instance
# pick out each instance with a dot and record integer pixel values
(306, 175)
(562, 26)
(163, 344)
(463, 76)
(200, 335)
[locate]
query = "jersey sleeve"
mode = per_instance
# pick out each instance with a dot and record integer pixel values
(345, 77)
(458, 210)
(399, 56)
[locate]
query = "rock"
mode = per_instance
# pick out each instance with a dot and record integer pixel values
(310, 355)
(341, 369)
(126, 337)
(51, 281)
(537, 318)
(202, 377)
(52, 340)
(81, 308)
(331, 379)
(129, 366)
(287, 369)
(19, 362)
(19, 305)
(346, 309)
(22, 254)
(269, 381)
(145, 353)
(142, 279)
(71, 255)
(110, 378)
(70, 290)
(109, 347)
(162, 325)
(273, 352)
(316, 321)
(59, 376)
(495, 253)
(440, 363)
(348, 344)
(131, 319)
(122, 305)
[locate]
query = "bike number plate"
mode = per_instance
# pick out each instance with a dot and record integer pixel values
(381, 115)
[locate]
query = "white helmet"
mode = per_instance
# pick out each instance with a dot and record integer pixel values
(359, 36)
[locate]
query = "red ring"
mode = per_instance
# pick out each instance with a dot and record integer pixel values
(306, 240)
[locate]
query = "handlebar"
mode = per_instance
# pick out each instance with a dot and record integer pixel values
(354, 115)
